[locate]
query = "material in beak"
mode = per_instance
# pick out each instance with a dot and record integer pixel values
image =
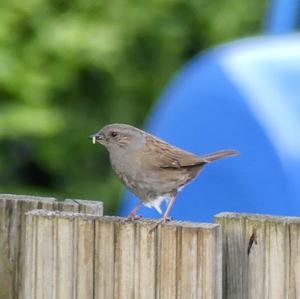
(96, 137)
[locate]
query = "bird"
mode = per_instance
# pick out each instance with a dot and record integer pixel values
(149, 167)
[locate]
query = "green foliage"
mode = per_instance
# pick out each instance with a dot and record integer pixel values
(69, 67)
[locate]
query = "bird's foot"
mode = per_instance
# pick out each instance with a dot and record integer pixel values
(132, 217)
(157, 223)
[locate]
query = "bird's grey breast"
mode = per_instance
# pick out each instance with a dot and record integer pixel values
(127, 164)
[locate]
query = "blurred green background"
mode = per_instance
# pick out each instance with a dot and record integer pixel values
(69, 67)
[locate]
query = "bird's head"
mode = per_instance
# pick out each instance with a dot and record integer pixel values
(119, 136)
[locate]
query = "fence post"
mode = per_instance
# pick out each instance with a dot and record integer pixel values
(178, 260)
(120, 259)
(12, 231)
(59, 255)
(272, 268)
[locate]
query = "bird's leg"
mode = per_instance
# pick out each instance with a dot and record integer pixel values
(132, 215)
(165, 216)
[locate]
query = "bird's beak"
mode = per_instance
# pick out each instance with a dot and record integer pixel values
(98, 137)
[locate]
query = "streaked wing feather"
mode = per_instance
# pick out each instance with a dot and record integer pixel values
(171, 157)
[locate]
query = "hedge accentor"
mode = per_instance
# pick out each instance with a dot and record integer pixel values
(149, 167)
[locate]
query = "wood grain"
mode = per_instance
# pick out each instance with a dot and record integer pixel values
(12, 234)
(59, 255)
(86, 256)
(271, 270)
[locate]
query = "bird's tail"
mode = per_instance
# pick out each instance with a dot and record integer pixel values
(219, 155)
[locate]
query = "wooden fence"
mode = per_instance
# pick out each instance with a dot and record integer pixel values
(272, 268)
(83, 256)
(68, 250)
(12, 234)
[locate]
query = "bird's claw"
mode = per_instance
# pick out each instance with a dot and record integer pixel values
(133, 217)
(161, 221)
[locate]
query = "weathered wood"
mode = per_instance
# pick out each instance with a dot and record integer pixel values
(12, 226)
(145, 262)
(210, 257)
(120, 259)
(85, 206)
(104, 259)
(84, 262)
(272, 268)
(59, 255)
(168, 257)
(294, 281)
(163, 264)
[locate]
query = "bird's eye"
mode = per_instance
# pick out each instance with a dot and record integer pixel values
(114, 134)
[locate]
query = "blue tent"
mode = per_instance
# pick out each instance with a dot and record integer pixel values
(243, 95)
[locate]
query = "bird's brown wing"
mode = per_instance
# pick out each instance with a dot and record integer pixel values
(167, 156)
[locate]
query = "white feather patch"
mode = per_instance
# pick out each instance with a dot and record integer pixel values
(156, 203)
